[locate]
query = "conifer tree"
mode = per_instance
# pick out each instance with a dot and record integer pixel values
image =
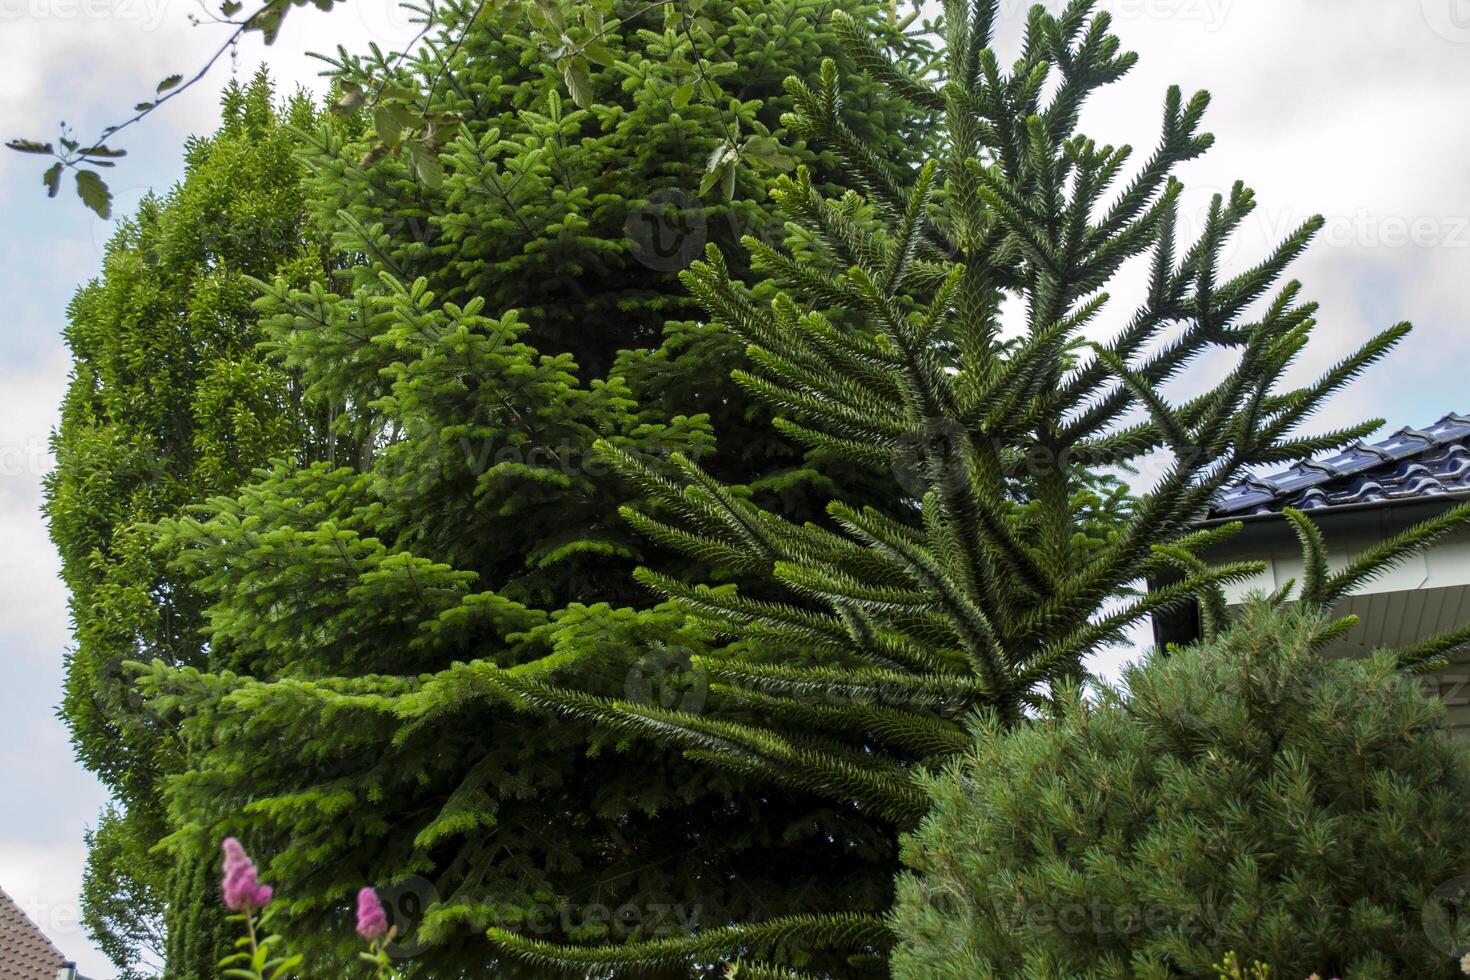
(1244, 794)
(168, 403)
(863, 642)
(484, 330)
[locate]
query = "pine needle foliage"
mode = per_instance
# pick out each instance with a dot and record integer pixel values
(169, 402)
(1244, 794)
(862, 641)
(470, 342)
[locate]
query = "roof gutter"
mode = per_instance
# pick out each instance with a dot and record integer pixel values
(1368, 505)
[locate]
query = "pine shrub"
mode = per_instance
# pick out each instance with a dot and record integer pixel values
(1245, 794)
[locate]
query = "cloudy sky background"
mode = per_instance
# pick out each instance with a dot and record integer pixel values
(1349, 108)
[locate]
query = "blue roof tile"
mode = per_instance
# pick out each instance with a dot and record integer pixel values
(1411, 463)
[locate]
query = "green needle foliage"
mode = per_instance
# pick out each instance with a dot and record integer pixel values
(1245, 794)
(169, 403)
(480, 328)
(863, 641)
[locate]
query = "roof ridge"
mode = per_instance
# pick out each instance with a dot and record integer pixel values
(1254, 493)
(26, 952)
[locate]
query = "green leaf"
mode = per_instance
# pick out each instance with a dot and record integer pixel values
(268, 20)
(710, 178)
(598, 53)
(385, 121)
(31, 146)
(682, 95)
(717, 157)
(427, 166)
(171, 81)
(94, 193)
(52, 179)
(764, 151)
(144, 106)
(351, 99)
(230, 7)
(579, 81)
(102, 150)
(730, 172)
(551, 14)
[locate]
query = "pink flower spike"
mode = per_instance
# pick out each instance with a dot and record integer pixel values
(243, 891)
(372, 921)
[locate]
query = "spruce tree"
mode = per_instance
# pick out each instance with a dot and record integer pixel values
(169, 403)
(477, 336)
(862, 642)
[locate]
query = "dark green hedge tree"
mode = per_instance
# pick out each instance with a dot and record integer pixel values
(169, 403)
(492, 319)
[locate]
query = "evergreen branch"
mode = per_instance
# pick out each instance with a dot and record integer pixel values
(864, 686)
(1430, 653)
(1386, 554)
(1314, 558)
(777, 938)
(871, 58)
(926, 735)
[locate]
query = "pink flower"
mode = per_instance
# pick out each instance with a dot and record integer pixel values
(372, 921)
(242, 888)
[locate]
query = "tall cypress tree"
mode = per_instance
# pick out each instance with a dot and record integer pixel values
(865, 640)
(169, 403)
(485, 330)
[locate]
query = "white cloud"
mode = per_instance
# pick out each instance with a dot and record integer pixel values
(1350, 108)
(32, 598)
(44, 881)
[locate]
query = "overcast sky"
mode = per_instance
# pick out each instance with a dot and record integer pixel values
(1349, 108)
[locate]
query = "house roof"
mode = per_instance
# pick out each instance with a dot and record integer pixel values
(25, 952)
(1411, 464)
